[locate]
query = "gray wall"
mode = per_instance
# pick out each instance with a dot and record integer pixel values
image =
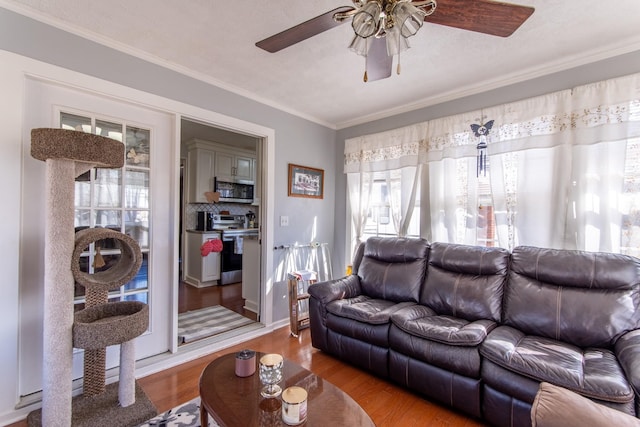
(602, 70)
(297, 140)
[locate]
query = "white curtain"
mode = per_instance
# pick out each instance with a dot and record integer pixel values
(558, 164)
(452, 201)
(396, 154)
(403, 185)
(560, 169)
(359, 191)
(606, 117)
(594, 218)
(529, 190)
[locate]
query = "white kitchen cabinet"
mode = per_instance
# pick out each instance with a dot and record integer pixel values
(208, 160)
(200, 164)
(201, 271)
(234, 167)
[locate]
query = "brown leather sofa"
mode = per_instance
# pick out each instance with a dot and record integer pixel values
(479, 328)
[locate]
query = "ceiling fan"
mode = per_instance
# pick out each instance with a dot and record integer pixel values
(382, 27)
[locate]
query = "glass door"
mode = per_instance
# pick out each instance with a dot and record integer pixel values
(136, 199)
(117, 199)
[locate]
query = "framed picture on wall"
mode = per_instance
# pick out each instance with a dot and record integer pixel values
(305, 181)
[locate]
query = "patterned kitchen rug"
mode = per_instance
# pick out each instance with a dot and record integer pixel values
(205, 322)
(185, 415)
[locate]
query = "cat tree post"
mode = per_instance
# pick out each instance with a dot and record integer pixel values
(58, 296)
(68, 154)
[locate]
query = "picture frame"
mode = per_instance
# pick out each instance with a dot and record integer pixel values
(305, 181)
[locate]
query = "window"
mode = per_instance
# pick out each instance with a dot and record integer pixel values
(117, 199)
(389, 197)
(630, 201)
(486, 222)
(563, 172)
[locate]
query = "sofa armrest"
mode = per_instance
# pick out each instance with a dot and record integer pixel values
(627, 351)
(323, 293)
(558, 407)
(332, 290)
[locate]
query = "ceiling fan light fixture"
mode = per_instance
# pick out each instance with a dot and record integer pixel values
(366, 21)
(391, 20)
(359, 45)
(408, 18)
(396, 43)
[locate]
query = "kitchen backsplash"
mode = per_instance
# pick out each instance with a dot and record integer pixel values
(191, 214)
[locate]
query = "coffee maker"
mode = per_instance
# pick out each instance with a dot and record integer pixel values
(205, 221)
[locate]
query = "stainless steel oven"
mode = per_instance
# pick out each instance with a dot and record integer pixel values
(233, 235)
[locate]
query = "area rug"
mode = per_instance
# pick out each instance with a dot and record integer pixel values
(209, 321)
(185, 415)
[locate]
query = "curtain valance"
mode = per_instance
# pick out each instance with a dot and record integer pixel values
(585, 115)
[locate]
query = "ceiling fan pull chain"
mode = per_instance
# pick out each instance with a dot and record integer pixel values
(366, 60)
(398, 68)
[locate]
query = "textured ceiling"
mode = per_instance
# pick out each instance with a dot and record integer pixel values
(320, 78)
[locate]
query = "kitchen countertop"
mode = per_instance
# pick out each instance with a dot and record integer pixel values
(218, 230)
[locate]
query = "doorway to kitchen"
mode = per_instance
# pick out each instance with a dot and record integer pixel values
(219, 223)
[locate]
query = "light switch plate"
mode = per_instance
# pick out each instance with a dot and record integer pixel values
(284, 221)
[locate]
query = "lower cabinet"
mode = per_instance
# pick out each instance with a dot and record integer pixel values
(201, 271)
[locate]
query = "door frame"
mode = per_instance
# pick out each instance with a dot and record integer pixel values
(266, 151)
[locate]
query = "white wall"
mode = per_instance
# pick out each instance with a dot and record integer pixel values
(10, 175)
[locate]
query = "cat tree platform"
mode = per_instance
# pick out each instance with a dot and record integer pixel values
(109, 324)
(104, 410)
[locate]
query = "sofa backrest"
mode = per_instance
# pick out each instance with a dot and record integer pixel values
(587, 299)
(465, 281)
(393, 268)
(357, 258)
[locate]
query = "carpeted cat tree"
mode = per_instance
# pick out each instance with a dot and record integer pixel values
(69, 154)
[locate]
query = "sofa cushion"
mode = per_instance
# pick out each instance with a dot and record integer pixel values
(465, 282)
(583, 298)
(367, 333)
(365, 309)
(558, 407)
(454, 359)
(393, 269)
(592, 372)
(423, 322)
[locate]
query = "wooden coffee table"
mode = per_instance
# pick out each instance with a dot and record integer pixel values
(236, 401)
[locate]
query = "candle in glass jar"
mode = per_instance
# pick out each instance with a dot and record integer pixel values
(294, 405)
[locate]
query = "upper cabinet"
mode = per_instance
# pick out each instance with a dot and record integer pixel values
(200, 164)
(234, 167)
(207, 161)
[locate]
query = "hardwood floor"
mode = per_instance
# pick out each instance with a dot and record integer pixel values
(229, 296)
(387, 404)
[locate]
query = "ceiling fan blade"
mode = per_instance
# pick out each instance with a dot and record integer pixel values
(379, 64)
(302, 31)
(484, 16)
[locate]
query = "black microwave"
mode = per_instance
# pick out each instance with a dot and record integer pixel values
(233, 192)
